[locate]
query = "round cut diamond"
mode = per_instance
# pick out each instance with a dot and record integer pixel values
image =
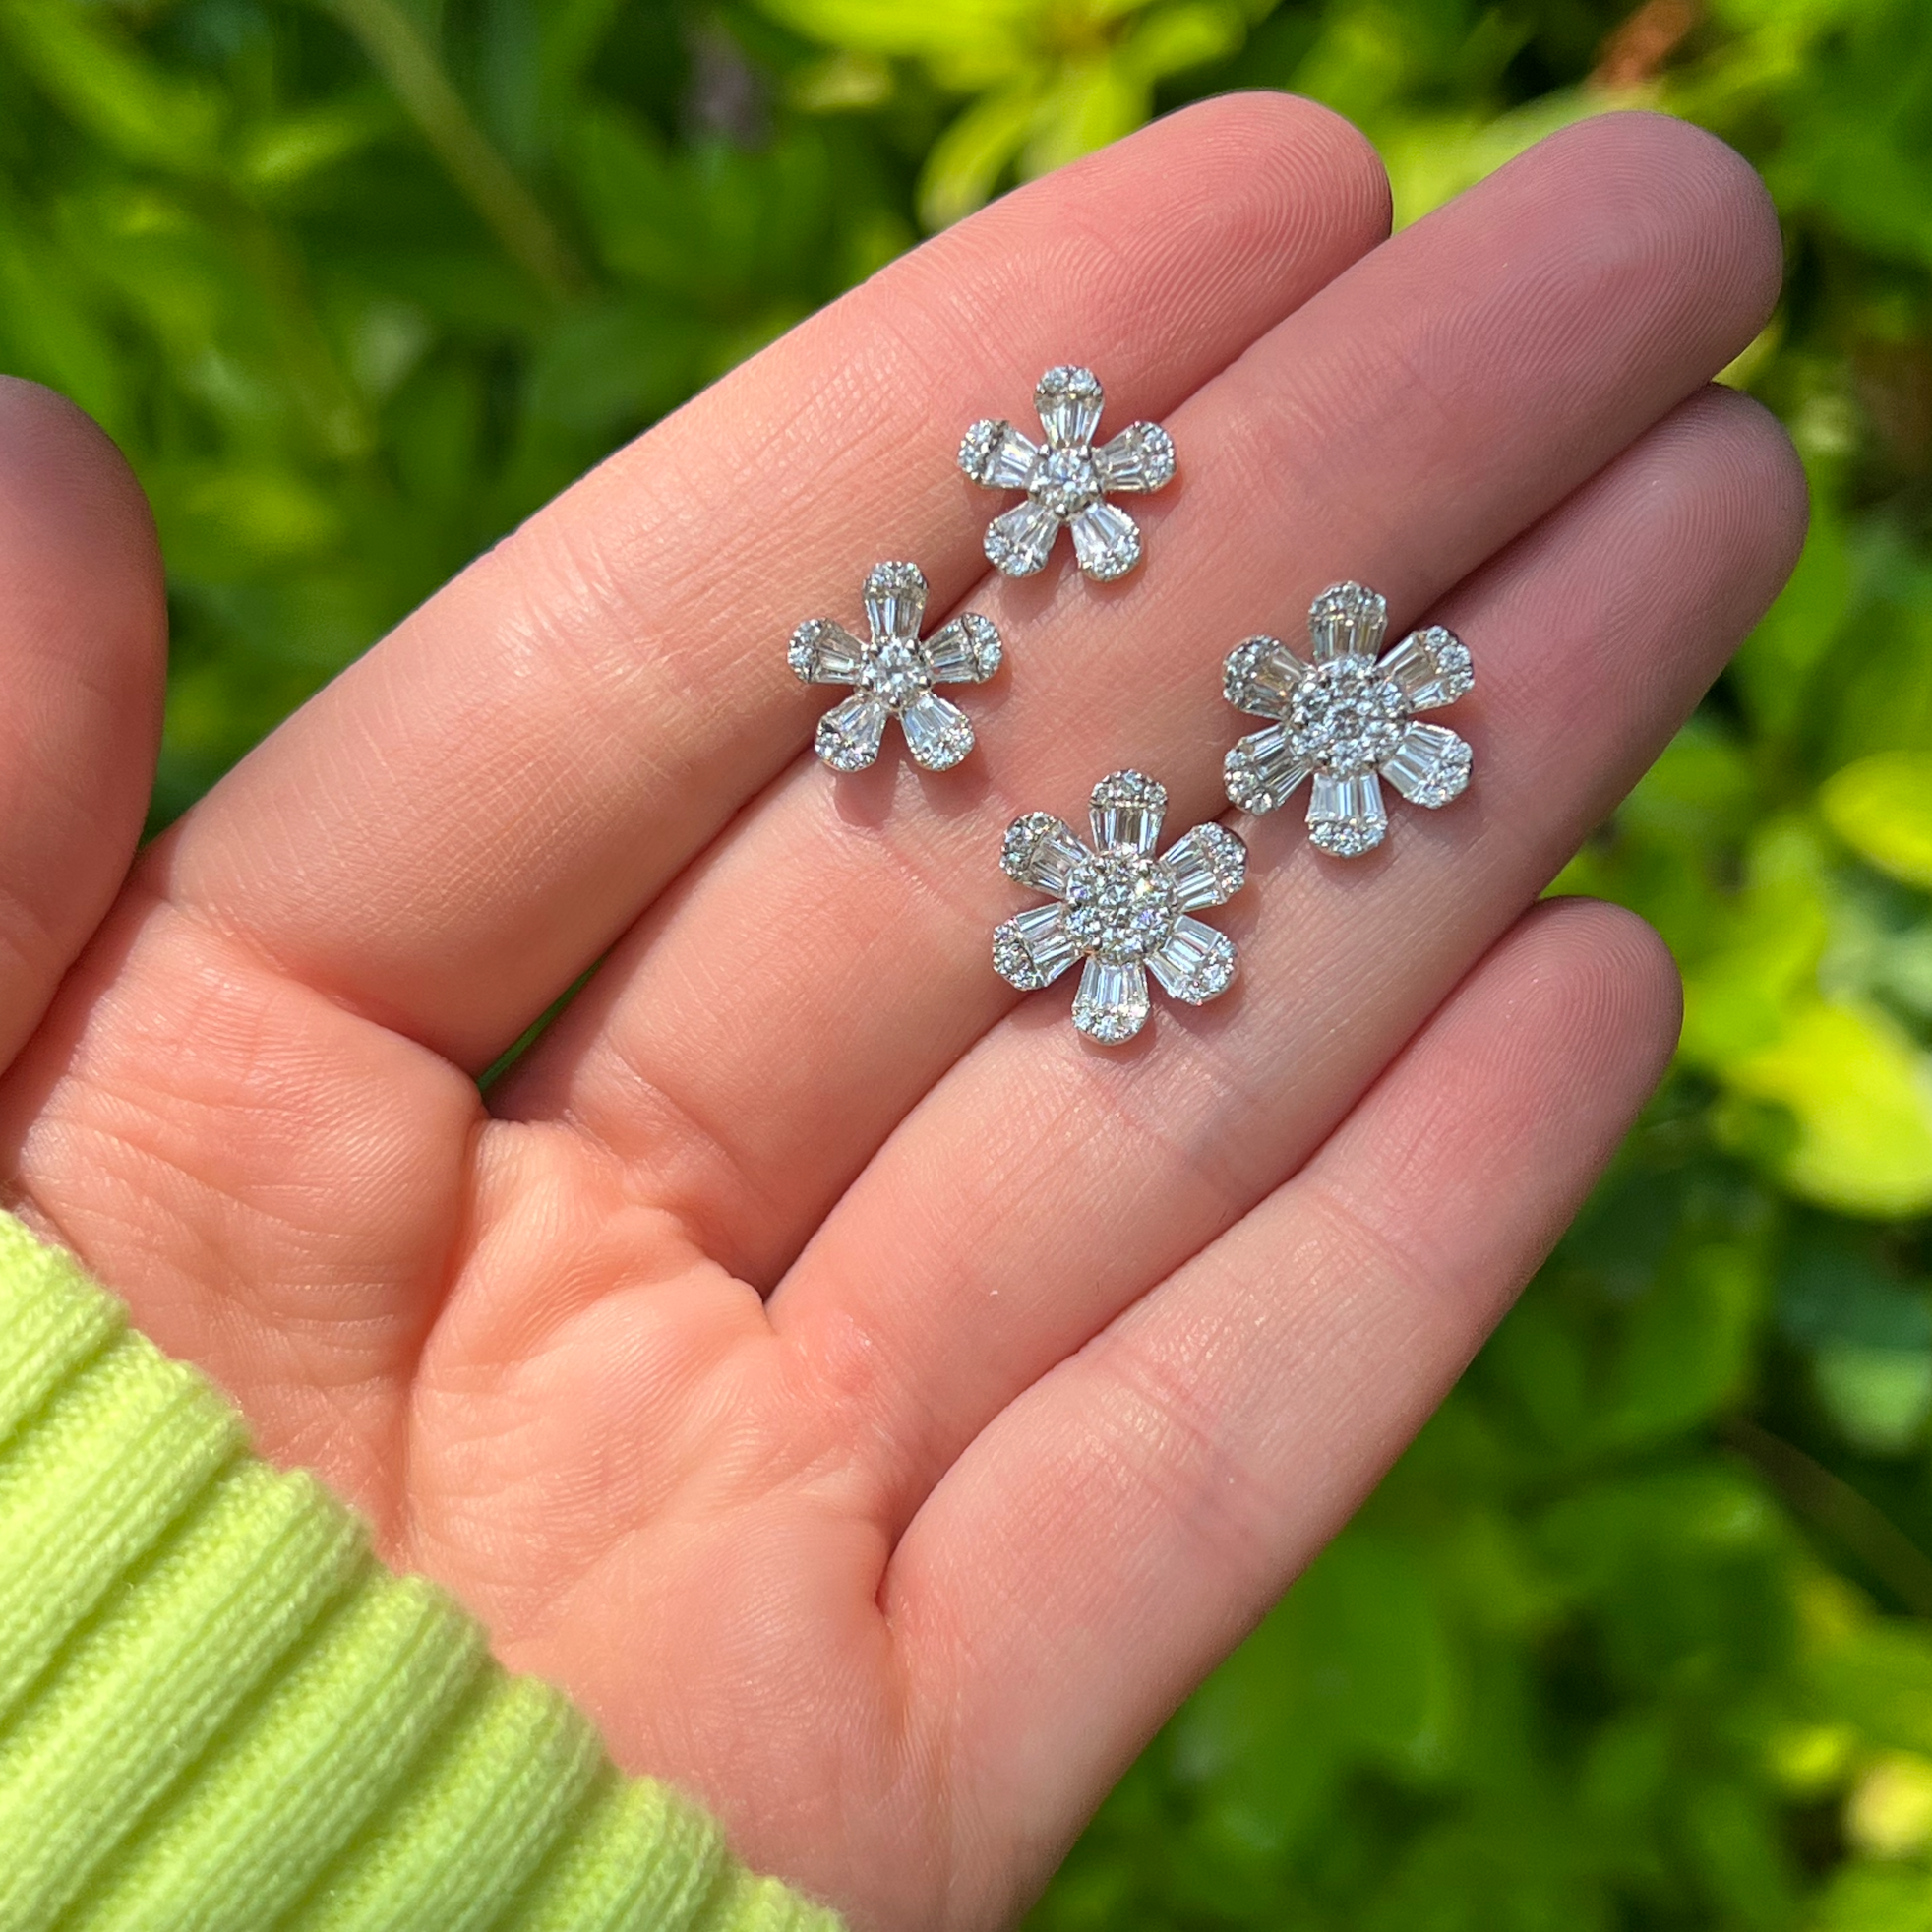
(1455, 670)
(1065, 483)
(1346, 719)
(1111, 1025)
(977, 449)
(802, 653)
(896, 673)
(895, 580)
(983, 649)
(1345, 838)
(1121, 906)
(1037, 851)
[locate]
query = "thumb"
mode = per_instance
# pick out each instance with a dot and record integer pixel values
(83, 655)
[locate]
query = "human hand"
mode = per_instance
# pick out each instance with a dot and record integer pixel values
(877, 1404)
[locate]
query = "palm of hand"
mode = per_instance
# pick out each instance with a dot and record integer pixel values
(875, 1404)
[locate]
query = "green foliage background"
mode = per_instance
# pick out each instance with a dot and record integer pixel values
(1640, 1634)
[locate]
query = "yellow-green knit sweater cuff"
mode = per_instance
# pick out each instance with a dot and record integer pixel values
(218, 1712)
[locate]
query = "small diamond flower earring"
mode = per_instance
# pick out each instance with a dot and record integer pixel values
(1117, 905)
(1067, 481)
(894, 674)
(1347, 717)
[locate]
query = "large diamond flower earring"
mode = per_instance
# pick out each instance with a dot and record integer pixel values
(1120, 907)
(1348, 717)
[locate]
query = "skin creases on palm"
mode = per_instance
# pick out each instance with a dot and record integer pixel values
(875, 1404)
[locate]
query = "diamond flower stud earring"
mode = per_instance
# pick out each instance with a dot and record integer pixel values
(1068, 481)
(1346, 719)
(1120, 907)
(894, 674)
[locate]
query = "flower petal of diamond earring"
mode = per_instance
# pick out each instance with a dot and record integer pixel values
(894, 674)
(1348, 721)
(1124, 911)
(1066, 481)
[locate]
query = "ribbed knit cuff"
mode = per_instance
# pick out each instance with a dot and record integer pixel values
(219, 1712)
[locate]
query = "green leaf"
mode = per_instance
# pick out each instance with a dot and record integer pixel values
(1750, 1876)
(294, 147)
(1087, 104)
(1882, 807)
(135, 108)
(1877, 1897)
(1775, 669)
(1878, 687)
(1876, 1674)
(1389, 1682)
(1431, 160)
(967, 160)
(1878, 1397)
(1861, 1095)
(972, 41)
(1687, 1345)
(1740, 998)
(244, 520)
(1172, 38)
(52, 328)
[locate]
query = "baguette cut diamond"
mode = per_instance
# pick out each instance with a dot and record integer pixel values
(1121, 908)
(1040, 851)
(1068, 479)
(893, 675)
(1196, 963)
(1348, 721)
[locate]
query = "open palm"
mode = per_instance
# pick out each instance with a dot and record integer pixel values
(875, 1402)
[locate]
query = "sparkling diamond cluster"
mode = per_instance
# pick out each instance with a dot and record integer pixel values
(1068, 480)
(1348, 721)
(1119, 907)
(893, 675)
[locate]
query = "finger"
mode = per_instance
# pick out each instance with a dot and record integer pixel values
(752, 1044)
(445, 837)
(1042, 1185)
(83, 651)
(1122, 1525)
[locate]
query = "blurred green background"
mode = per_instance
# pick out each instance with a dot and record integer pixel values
(1640, 1634)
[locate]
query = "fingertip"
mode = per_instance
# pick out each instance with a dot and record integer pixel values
(1542, 1058)
(1721, 484)
(1713, 501)
(1624, 980)
(80, 564)
(50, 444)
(1311, 145)
(1764, 465)
(1655, 168)
(1279, 185)
(83, 655)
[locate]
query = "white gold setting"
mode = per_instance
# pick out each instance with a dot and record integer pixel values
(1068, 480)
(1119, 907)
(1348, 721)
(894, 674)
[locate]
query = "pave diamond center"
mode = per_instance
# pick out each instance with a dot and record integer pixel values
(1065, 483)
(1121, 906)
(1347, 719)
(896, 674)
